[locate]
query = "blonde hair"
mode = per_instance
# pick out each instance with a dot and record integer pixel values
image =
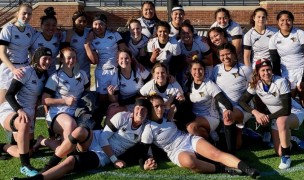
(25, 5)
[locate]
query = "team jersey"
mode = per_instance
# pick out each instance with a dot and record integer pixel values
(258, 43)
(234, 30)
(198, 47)
(289, 48)
(121, 135)
(203, 98)
(165, 135)
(129, 87)
(234, 82)
(171, 49)
(147, 26)
(106, 49)
(77, 42)
(135, 48)
(173, 90)
(173, 31)
(65, 86)
(38, 40)
(32, 88)
(18, 42)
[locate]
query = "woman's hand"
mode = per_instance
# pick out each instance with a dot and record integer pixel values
(120, 164)
(18, 72)
(150, 164)
(22, 116)
(111, 89)
(155, 54)
(261, 118)
(227, 115)
(69, 101)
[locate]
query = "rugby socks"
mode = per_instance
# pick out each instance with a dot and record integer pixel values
(286, 151)
(25, 159)
(230, 135)
(252, 172)
(53, 162)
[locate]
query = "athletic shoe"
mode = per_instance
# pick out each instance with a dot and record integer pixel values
(28, 171)
(285, 162)
(252, 172)
(232, 171)
(301, 145)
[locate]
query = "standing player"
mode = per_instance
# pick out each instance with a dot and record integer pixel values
(274, 91)
(17, 115)
(15, 39)
(148, 19)
(177, 18)
(233, 79)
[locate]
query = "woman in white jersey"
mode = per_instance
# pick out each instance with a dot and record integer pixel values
(48, 37)
(15, 39)
(182, 148)
(216, 37)
(125, 85)
(233, 29)
(287, 55)
(177, 18)
(17, 115)
(233, 78)
(101, 46)
(148, 18)
(256, 40)
(285, 113)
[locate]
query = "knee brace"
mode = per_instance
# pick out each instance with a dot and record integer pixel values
(12, 123)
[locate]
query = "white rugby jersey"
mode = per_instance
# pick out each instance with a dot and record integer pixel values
(129, 87)
(32, 88)
(77, 42)
(234, 30)
(171, 49)
(233, 83)
(173, 89)
(173, 31)
(197, 46)
(39, 41)
(203, 99)
(165, 135)
(135, 48)
(258, 43)
(107, 48)
(19, 42)
(147, 28)
(289, 48)
(125, 137)
(65, 86)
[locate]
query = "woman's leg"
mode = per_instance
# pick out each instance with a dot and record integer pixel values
(188, 160)
(199, 127)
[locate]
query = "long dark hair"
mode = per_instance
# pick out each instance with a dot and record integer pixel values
(252, 23)
(49, 14)
(155, 18)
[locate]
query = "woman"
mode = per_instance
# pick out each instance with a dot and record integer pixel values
(287, 54)
(285, 113)
(62, 92)
(101, 47)
(48, 37)
(177, 18)
(125, 84)
(193, 49)
(233, 78)
(17, 115)
(233, 29)
(148, 18)
(163, 48)
(15, 39)
(182, 148)
(216, 37)
(256, 40)
(76, 37)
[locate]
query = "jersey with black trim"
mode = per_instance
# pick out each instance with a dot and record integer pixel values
(126, 136)
(135, 48)
(147, 28)
(203, 98)
(259, 43)
(77, 42)
(106, 48)
(164, 135)
(32, 87)
(234, 30)
(66, 86)
(173, 31)
(129, 87)
(234, 82)
(173, 90)
(19, 42)
(171, 49)
(198, 48)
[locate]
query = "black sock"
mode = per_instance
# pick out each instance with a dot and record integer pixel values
(2, 147)
(286, 151)
(219, 168)
(242, 166)
(230, 135)
(25, 159)
(54, 161)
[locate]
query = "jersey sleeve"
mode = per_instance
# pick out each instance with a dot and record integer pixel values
(117, 37)
(147, 136)
(179, 88)
(272, 44)
(247, 72)
(145, 90)
(176, 48)
(236, 31)
(144, 74)
(301, 36)
(52, 82)
(115, 81)
(251, 90)
(150, 45)
(26, 76)
(6, 34)
(113, 125)
(213, 89)
(246, 42)
(284, 87)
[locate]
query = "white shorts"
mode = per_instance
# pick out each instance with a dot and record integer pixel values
(298, 112)
(51, 114)
(96, 145)
(6, 110)
(246, 115)
(6, 75)
(294, 76)
(103, 79)
(188, 146)
(213, 122)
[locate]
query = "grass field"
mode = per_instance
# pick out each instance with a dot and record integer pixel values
(253, 152)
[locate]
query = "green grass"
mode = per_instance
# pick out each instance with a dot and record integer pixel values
(254, 153)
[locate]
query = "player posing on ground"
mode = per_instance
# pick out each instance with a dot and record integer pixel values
(17, 115)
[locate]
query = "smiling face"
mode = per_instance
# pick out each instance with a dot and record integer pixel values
(265, 74)
(227, 57)
(222, 19)
(163, 34)
(158, 109)
(160, 75)
(177, 17)
(285, 23)
(139, 115)
(148, 11)
(99, 27)
(197, 72)
(24, 14)
(135, 30)
(186, 35)
(49, 27)
(44, 63)
(260, 19)
(80, 23)
(69, 59)
(217, 38)
(124, 60)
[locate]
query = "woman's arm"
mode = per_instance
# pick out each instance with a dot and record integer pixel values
(4, 58)
(247, 55)
(14, 88)
(47, 99)
(92, 55)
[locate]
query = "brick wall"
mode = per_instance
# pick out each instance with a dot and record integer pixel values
(202, 16)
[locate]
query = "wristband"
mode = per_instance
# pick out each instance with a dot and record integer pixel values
(113, 159)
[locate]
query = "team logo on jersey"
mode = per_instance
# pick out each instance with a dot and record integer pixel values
(269, 36)
(160, 131)
(170, 95)
(136, 137)
(65, 82)
(28, 35)
(152, 93)
(201, 94)
(123, 85)
(168, 52)
(74, 41)
(34, 82)
(274, 94)
(40, 44)
(56, 44)
(235, 75)
(97, 42)
(110, 37)
(17, 37)
(124, 129)
(279, 42)
(293, 39)
(219, 74)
